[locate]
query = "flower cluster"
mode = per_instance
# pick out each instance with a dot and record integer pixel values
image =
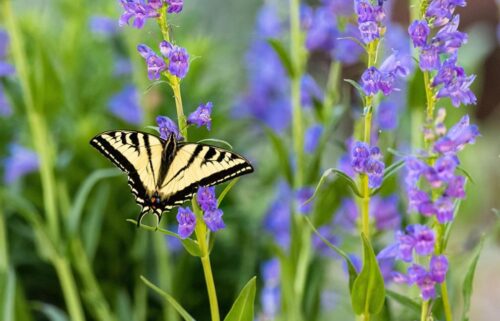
(6, 69)
(367, 160)
(125, 104)
(212, 215)
(166, 127)
(175, 60)
(383, 79)
(370, 18)
(201, 116)
(419, 240)
(141, 10)
(444, 186)
(439, 53)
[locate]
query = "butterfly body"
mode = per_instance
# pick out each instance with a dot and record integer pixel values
(162, 173)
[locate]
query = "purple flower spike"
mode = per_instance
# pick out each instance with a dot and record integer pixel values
(213, 219)
(138, 11)
(206, 198)
(187, 222)
(175, 6)
(419, 31)
(167, 127)
(201, 116)
(439, 268)
(20, 162)
(457, 137)
(371, 80)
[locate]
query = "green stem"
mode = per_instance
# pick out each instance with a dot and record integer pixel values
(424, 311)
(181, 118)
(446, 302)
(296, 55)
(69, 288)
(201, 237)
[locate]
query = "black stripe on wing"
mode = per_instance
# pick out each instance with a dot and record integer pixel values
(216, 178)
(115, 156)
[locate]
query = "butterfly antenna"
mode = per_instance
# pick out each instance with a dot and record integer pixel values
(144, 211)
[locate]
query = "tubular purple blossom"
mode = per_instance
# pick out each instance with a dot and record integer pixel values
(166, 127)
(201, 116)
(213, 219)
(187, 222)
(174, 6)
(138, 11)
(206, 198)
(125, 105)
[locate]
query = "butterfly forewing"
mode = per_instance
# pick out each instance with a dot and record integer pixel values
(196, 165)
(138, 154)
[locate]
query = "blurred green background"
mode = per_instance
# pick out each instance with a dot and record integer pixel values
(70, 74)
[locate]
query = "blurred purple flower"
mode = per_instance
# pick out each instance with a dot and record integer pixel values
(201, 116)
(440, 12)
(138, 11)
(206, 198)
(125, 105)
(270, 296)
(213, 219)
(122, 67)
(449, 39)
(6, 69)
(312, 136)
(387, 115)
(322, 33)
(346, 215)
(309, 91)
(457, 137)
(302, 195)
(21, 161)
(103, 26)
(174, 6)
(277, 219)
(321, 247)
(385, 211)
(166, 127)
(268, 24)
(346, 49)
(339, 7)
(4, 43)
(439, 268)
(5, 108)
(187, 222)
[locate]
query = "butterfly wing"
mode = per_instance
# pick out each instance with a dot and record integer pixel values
(136, 153)
(196, 165)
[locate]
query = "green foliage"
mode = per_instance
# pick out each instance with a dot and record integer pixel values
(243, 306)
(368, 290)
(469, 280)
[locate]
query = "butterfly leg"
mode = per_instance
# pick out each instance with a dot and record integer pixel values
(144, 211)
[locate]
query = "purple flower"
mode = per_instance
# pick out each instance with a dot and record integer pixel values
(156, 64)
(271, 272)
(213, 219)
(429, 58)
(369, 31)
(167, 127)
(4, 43)
(360, 153)
(6, 69)
(449, 39)
(312, 136)
(309, 91)
(440, 11)
(448, 72)
(20, 162)
(347, 50)
(138, 11)
(201, 116)
(103, 26)
(418, 238)
(417, 274)
(347, 214)
(322, 33)
(5, 108)
(439, 268)
(457, 137)
(270, 295)
(125, 105)
(178, 60)
(419, 31)
(174, 6)
(187, 222)
(364, 10)
(444, 209)
(459, 91)
(456, 187)
(387, 115)
(277, 219)
(206, 198)
(397, 64)
(268, 24)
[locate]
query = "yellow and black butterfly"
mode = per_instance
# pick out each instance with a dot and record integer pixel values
(165, 173)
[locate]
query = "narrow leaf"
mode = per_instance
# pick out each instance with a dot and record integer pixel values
(469, 280)
(215, 140)
(388, 172)
(184, 314)
(350, 266)
(403, 300)
(282, 153)
(226, 190)
(368, 291)
(189, 244)
(242, 309)
(283, 55)
(350, 182)
(463, 171)
(357, 86)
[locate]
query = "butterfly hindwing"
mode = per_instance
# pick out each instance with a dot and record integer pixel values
(136, 153)
(196, 165)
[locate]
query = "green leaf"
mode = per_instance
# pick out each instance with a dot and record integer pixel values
(350, 266)
(469, 280)
(215, 140)
(357, 86)
(82, 194)
(189, 244)
(417, 97)
(283, 55)
(282, 153)
(184, 314)
(226, 190)
(388, 172)
(51, 312)
(350, 182)
(403, 300)
(463, 171)
(7, 293)
(368, 291)
(242, 309)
